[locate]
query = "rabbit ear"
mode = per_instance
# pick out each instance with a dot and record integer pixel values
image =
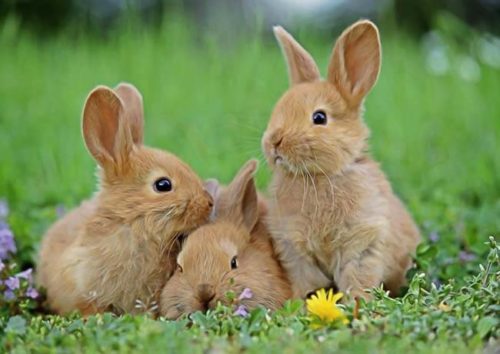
(105, 130)
(132, 100)
(355, 62)
(301, 65)
(212, 186)
(238, 202)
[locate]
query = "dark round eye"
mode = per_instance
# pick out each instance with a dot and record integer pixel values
(234, 263)
(163, 185)
(179, 268)
(319, 117)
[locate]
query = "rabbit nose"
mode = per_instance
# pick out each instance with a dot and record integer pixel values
(276, 138)
(205, 293)
(277, 142)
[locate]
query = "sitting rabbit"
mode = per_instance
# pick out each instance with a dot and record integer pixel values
(119, 248)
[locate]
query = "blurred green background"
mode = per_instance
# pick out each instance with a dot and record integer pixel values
(210, 73)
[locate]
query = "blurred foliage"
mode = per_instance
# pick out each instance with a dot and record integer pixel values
(39, 15)
(420, 16)
(48, 16)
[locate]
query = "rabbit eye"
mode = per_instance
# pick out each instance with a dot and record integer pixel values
(162, 185)
(319, 117)
(179, 268)
(234, 263)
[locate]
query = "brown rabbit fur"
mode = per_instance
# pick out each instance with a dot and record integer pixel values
(205, 273)
(120, 246)
(333, 215)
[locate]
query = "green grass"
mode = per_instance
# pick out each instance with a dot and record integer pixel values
(436, 137)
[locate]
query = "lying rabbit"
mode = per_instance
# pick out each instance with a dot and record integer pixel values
(119, 248)
(334, 217)
(233, 253)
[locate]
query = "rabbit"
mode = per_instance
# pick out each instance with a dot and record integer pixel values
(333, 216)
(233, 253)
(115, 251)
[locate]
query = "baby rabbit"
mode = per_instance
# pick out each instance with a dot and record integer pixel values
(119, 248)
(333, 215)
(231, 254)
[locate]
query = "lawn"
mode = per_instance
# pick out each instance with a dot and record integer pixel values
(436, 137)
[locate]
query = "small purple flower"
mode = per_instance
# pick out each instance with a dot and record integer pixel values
(4, 209)
(434, 236)
(437, 283)
(245, 294)
(9, 295)
(60, 211)
(465, 256)
(25, 274)
(12, 283)
(32, 293)
(241, 311)
(7, 243)
(448, 261)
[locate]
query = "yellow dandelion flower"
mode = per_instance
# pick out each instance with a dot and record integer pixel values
(323, 306)
(444, 307)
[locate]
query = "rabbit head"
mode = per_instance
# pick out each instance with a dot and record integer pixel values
(316, 126)
(226, 257)
(149, 190)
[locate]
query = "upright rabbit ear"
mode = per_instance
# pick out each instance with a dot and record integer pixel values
(238, 202)
(105, 130)
(301, 65)
(212, 186)
(355, 62)
(132, 101)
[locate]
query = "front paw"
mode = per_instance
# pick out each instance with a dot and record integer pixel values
(301, 294)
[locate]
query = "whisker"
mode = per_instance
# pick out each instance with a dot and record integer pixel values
(243, 123)
(295, 173)
(306, 183)
(261, 158)
(170, 246)
(315, 190)
(332, 189)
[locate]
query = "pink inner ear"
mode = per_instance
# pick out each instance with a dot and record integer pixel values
(361, 60)
(107, 127)
(301, 65)
(100, 123)
(355, 63)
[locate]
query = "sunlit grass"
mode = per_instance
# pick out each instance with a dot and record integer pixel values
(436, 137)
